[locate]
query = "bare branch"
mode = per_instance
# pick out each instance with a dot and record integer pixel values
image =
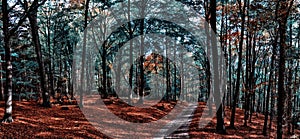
(26, 14)
(11, 8)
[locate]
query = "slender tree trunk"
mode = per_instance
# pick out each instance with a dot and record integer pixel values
(282, 21)
(174, 74)
(36, 41)
(281, 90)
(261, 100)
(272, 108)
(74, 77)
(252, 78)
(130, 51)
(51, 84)
(237, 86)
(1, 76)
(248, 82)
(269, 86)
(82, 80)
(104, 92)
(182, 76)
(229, 96)
(289, 97)
(87, 78)
(208, 51)
(223, 46)
(141, 67)
(289, 85)
(295, 106)
(118, 75)
(141, 60)
(168, 80)
(217, 94)
(7, 118)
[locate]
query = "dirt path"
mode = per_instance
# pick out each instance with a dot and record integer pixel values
(183, 121)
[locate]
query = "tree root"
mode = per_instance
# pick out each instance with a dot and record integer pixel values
(7, 118)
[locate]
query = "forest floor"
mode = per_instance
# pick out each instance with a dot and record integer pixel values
(254, 129)
(68, 121)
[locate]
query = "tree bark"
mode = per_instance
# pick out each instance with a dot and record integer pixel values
(1, 76)
(217, 94)
(82, 80)
(7, 118)
(141, 60)
(289, 86)
(284, 10)
(269, 86)
(35, 39)
(281, 74)
(208, 51)
(51, 84)
(237, 86)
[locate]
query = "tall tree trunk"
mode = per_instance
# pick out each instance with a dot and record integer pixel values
(73, 79)
(289, 85)
(225, 54)
(229, 96)
(83, 60)
(270, 82)
(248, 82)
(281, 74)
(168, 80)
(182, 76)
(7, 118)
(1, 76)
(261, 100)
(272, 108)
(36, 41)
(118, 71)
(217, 94)
(174, 74)
(296, 85)
(252, 78)
(289, 97)
(284, 10)
(51, 84)
(141, 67)
(141, 60)
(8, 66)
(130, 51)
(237, 86)
(208, 51)
(104, 92)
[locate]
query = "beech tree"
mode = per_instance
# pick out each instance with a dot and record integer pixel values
(8, 32)
(36, 41)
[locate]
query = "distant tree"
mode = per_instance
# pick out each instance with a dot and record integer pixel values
(84, 53)
(270, 85)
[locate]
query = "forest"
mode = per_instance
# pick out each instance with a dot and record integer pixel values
(150, 69)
